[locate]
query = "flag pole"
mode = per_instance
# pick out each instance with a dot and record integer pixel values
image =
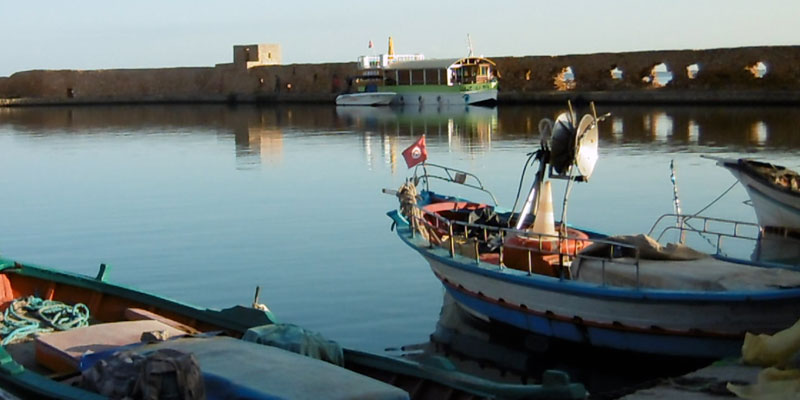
(425, 170)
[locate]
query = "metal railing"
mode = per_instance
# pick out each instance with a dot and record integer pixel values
(450, 175)
(717, 228)
(443, 232)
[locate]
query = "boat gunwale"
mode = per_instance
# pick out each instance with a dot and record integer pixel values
(555, 284)
(209, 316)
(744, 166)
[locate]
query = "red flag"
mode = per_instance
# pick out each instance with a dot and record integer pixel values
(416, 153)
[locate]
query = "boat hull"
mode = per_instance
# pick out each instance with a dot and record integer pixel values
(365, 99)
(657, 321)
(445, 97)
(773, 207)
(502, 305)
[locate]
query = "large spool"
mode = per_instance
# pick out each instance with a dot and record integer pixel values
(574, 146)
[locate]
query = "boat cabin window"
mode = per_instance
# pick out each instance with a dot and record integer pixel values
(429, 76)
(470, 74)
(468, 71)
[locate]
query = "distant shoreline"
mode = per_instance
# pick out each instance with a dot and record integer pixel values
(763, 75)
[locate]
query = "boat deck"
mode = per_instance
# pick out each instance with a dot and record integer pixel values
(705, 274)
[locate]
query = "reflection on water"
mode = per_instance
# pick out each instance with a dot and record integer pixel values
(471, 128)
(204, 202)
(507, 354)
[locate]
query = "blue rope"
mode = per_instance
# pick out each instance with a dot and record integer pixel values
(51, 315)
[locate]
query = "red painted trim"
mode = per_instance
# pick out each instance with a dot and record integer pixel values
(616, 326)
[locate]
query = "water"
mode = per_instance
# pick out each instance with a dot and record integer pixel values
(204, 203)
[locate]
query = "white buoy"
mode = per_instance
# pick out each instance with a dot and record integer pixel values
(545, 222)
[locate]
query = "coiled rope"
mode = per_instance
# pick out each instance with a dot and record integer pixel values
(407, 194)
(30, 315)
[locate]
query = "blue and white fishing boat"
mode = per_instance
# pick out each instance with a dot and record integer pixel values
(624, 292)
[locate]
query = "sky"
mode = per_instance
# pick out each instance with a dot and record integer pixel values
(94, 34)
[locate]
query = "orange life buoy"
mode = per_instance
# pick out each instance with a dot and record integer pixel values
(545, 255)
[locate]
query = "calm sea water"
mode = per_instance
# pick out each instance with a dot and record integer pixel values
(204, 203)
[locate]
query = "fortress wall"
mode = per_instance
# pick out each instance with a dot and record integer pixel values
(116, 85)
(718, 69)
(722, 76)
(304, 78)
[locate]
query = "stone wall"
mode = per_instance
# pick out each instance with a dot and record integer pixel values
(717, 69)
(172, 84)
(723, 75)
(296, 82)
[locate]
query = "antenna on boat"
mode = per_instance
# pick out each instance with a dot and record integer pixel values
(469, 45)
(676, 201)
(570, 150)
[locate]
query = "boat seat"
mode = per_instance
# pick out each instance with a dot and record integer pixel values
(61, 351)
(234, 368)
(139, 314)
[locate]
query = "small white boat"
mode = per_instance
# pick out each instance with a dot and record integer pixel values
(774, 191)
(365, 99)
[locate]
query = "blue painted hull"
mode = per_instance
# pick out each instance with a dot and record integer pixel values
(685, 346)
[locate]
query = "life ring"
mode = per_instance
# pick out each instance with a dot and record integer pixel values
(466, 98)
(545, 255)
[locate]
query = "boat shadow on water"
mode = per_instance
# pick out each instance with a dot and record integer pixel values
(500, 352)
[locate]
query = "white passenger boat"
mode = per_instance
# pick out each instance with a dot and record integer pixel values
(420, 81)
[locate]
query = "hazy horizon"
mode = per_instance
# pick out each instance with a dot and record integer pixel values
(150, 34)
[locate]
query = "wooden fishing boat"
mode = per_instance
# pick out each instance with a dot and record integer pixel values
(114, 317)
(774, 191)
(628, 293)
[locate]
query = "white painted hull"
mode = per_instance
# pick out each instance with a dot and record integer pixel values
(688, 327)
(365, 99)
(773, 208)
(720, 317)
(445, 98)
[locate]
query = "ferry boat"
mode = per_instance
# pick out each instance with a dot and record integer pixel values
(420, 81)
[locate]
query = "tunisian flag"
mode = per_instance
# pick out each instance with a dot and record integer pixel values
(416, 153)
